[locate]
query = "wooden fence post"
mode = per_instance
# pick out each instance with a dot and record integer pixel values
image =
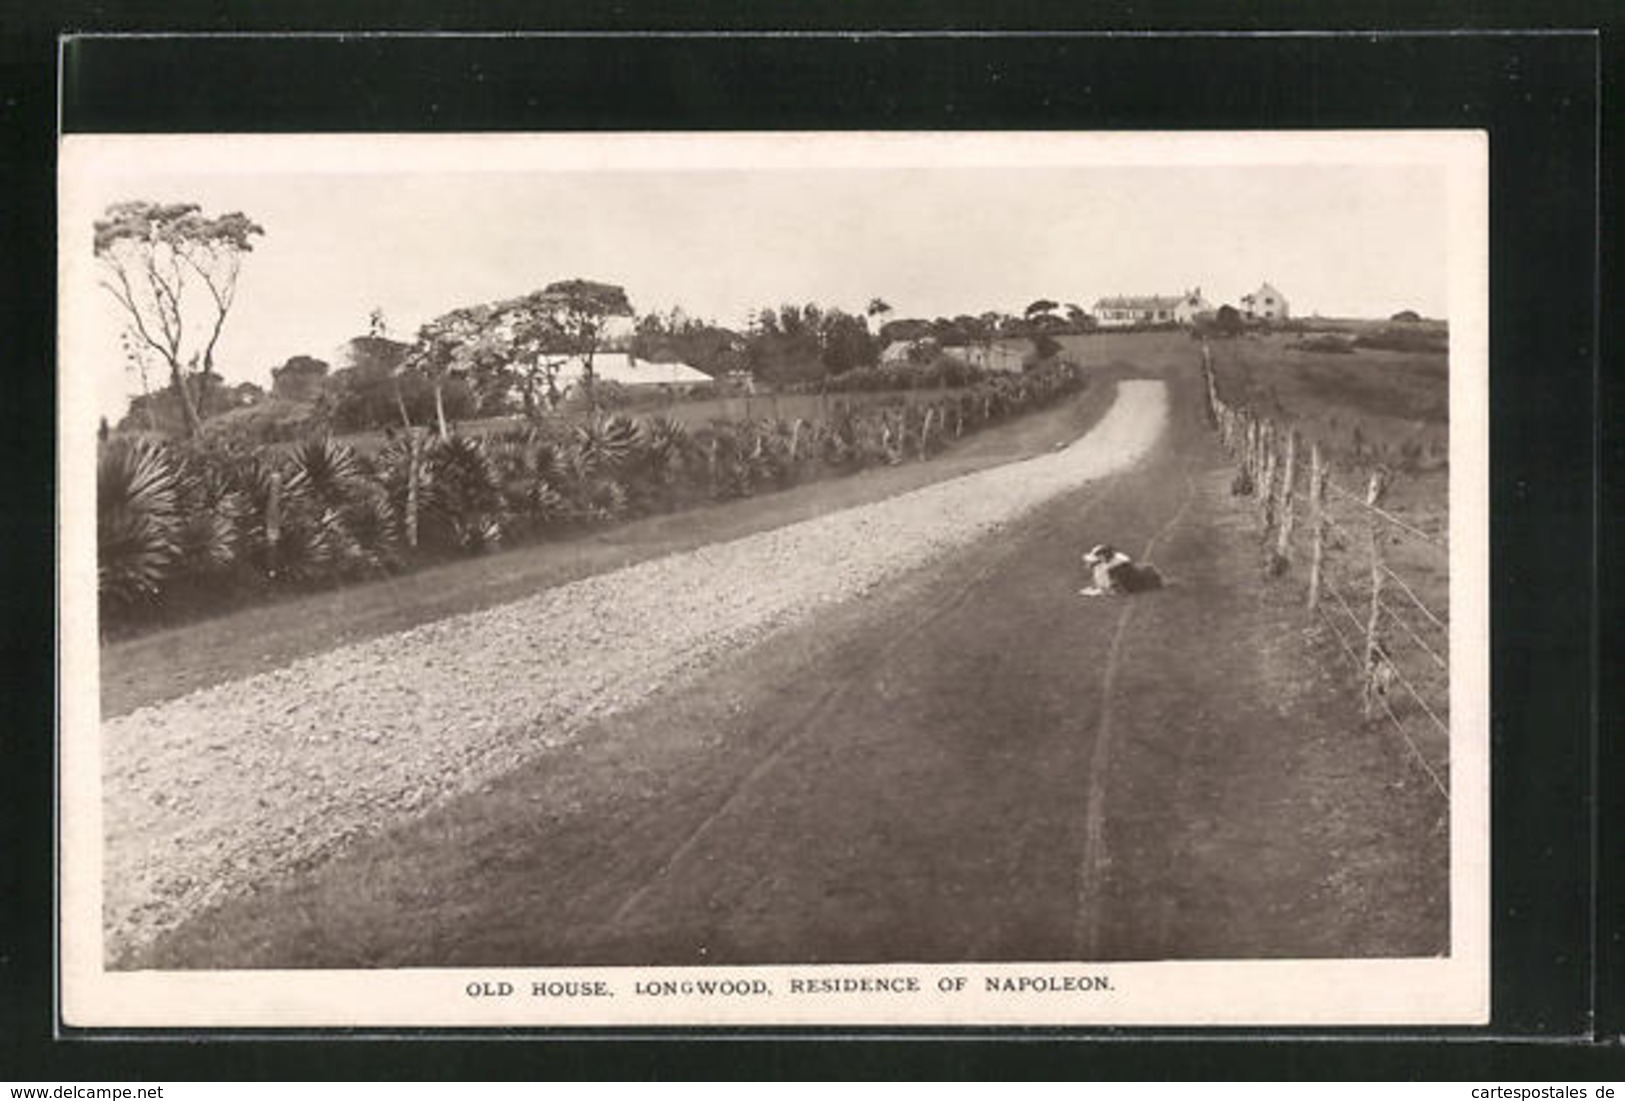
(1373, 494)
(795, 441)
(1266, 488)
(1283, 542)
(1317, 526)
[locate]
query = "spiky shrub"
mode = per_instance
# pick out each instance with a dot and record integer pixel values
(663, 457)
(594, 461)
(138, 523)
(335, 494)
(464, 496)
(530, 473)
(213, 512)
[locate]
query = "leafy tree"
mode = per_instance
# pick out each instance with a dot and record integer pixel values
(579, 312)
(460, 344)
(700, 344)
(905, 328)
(153, 257)
(1039, 308)
(367, 390)
(845, 343)
(162, 410)
(299, 379)
(1228, 321)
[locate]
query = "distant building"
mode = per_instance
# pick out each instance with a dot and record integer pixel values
(897, 351)
(1191, 307)
(998, 356)
(1265, 304)
(1123, 310)
(628, 370)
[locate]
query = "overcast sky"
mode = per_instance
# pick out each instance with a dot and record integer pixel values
(1341, 240)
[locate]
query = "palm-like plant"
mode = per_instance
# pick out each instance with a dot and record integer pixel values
(332, 497)
(465, 502)
(138, 521)
(213, 510)
(530, 472)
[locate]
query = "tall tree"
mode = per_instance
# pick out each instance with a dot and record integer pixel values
(154, 258)
(1040, 314)
(579, 313)
(537, 343)
(463, 342)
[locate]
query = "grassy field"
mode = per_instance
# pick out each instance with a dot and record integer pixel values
(1389, 406)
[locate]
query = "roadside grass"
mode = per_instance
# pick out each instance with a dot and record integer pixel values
(1276, 777)
(1366, 408)
(169, 663)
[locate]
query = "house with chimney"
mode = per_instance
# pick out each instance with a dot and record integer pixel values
(1121, 311)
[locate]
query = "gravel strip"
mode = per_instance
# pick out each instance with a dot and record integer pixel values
(236, 784)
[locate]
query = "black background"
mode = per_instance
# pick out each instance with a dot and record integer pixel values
(1556, 998)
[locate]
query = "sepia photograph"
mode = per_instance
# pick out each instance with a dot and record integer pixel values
(774, 579)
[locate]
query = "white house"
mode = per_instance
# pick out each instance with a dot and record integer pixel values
(1149, 309)
(1265, 304)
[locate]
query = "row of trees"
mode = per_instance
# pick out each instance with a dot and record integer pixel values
(174, 272)
(186, 524)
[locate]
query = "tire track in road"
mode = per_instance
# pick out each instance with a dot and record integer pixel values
(1096, 859)
(798, 728)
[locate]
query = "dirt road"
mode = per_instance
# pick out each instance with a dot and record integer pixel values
(972, 762)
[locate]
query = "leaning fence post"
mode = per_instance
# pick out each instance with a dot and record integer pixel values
(1373, 494)
(1317, 526)
(1283, 542)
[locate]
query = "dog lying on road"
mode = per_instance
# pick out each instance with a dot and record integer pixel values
(1116, 574)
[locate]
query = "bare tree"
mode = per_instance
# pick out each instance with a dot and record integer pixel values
(154, 256)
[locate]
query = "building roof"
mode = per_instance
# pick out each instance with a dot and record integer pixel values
(1266, 289)
(628, 370)
(1139, 302)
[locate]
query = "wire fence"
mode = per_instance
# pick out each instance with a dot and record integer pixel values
(1365, 565)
